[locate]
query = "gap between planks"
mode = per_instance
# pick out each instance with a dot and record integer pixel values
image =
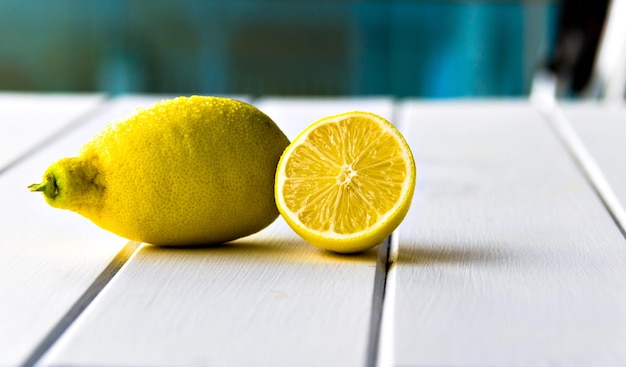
(583, 159)
(383, 356)
(378, 302)
(380, 344)
(82, 303)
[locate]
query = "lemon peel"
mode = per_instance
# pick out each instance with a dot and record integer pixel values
(185, 171)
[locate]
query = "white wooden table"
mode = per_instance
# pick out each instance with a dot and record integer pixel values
(513, 253)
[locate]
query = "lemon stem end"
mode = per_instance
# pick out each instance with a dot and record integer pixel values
(48, 188)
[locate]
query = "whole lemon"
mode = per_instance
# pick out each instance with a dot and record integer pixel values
(190, 170)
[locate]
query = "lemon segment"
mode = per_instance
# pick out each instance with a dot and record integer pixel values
(346, 182)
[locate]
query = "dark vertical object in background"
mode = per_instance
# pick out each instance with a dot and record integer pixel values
(579, 31)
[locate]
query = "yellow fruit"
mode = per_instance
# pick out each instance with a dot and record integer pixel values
(191, 170)
(346, 182)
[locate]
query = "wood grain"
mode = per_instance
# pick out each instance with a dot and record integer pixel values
(507, 256)
(48, 257)
(28, 119)
(266, 300)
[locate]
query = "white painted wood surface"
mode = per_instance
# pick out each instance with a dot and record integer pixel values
(507, 256)
(266, 300)
(48, 257)
(602, 131)
(28, 119)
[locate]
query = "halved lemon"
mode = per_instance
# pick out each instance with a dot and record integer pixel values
(346, 182)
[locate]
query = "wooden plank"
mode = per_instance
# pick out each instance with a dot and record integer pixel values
(28, 119)
(600, 136)
(266, 300)
(507, 257)
(49, 258)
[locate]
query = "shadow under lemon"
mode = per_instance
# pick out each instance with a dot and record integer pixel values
(275, 243)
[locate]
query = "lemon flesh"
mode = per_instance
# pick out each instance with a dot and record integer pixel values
(190, 170)
(346, 182)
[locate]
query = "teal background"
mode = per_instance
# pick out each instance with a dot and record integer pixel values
(429, 49)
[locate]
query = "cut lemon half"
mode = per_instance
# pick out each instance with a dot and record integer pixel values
(346, 182)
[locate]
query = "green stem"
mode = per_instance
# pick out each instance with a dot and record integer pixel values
(49, 188)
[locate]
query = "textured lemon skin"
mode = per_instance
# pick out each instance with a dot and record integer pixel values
(191, 170)
(360, 241)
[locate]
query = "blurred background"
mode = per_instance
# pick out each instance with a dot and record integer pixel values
(428, 49)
